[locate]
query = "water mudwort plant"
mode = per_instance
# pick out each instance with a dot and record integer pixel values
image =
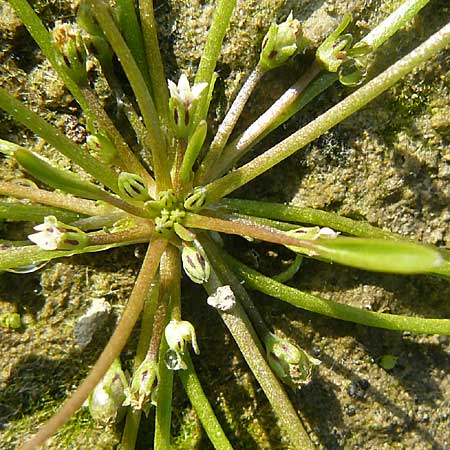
(146, 165)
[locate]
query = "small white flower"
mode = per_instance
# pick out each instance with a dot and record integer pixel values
(49, 235)
(183, 93)
(183, 103)
(55, 235)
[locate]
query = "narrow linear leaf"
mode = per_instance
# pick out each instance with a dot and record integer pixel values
(379, 255)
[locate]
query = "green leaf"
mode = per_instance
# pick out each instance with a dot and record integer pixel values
(379, 255)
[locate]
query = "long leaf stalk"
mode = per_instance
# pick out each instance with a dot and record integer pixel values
(154, 61)
(243, 227)
(43, 38)
(58, 140)
(229, 122)
(156, 140)
(236, 149)
(266, 285)
(170, 278)
(289, 213)
(127, 159)
(293, 99)
(112, 350)
(245, 336)
(211, 53)
(133, 417)
(199, 401)
(229, 278)
(227, 184)
(78, 205)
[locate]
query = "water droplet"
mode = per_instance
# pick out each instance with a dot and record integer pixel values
(173, 360)
(28, 268)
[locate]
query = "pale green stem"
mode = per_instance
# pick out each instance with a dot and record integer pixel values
(228, 124)
(43, 38)
(229, 278)
(78, 205)
(32, 254)
(243, 333)
(16, 212)
(156, 140)
(243, 227)
(203, 408)
(399, 18)
(170, 276)
(106, 221)
(131, 30)
(154, 60)
(133, 418)
(329, 119)
(221, 19)
(128, 160)
(312, 216)
(266, 285)
(58, 140)
(236, 149)
(112, 350)
(278, 211)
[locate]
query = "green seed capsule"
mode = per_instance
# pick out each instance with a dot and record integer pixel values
(281, 42)
(195, 264)
(105, 401)
(291, 364)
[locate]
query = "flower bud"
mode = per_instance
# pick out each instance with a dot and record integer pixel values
(195, 263)
(143, 385)
(55, 235)
(177, 333)
(102, 147)
(68, 39)
(196, 200)
(105, 401)
(333, 50)
(132, 187)
(281, 42)
(182, 104)
(290, 363)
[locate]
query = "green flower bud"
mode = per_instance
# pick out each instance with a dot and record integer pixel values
(10, 320)
(196, 200)
(182, 104)
(167, 198)
(183, 233)
(102, 147)
(68, 39)
(55, 235)
(195, 263)
(132, 187)
(143, 385)
(105, 401)
(177, 333)
(281, 42)
(333, 50)
(290, 363)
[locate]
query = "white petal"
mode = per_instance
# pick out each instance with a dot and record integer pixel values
(184, 87)
(173, 89)
(44, 240)
(197, 89)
